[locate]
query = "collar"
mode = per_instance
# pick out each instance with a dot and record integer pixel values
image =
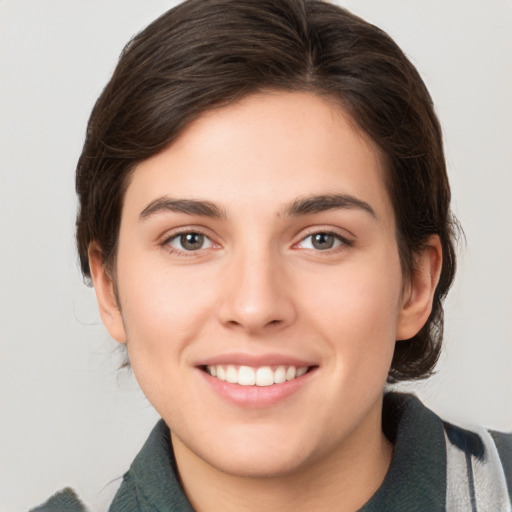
(416, 479)
(155, 475)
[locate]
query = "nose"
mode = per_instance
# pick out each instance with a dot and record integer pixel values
(257, 296)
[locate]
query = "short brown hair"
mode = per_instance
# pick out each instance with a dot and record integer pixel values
(204, 54)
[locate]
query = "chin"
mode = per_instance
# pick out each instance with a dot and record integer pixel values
(258, 465)
(258, 451)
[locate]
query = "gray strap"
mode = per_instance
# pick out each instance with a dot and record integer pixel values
(473, 484)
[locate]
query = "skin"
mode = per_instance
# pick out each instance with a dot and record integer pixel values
(258, 286)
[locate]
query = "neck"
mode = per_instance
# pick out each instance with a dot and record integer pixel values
(343, 480)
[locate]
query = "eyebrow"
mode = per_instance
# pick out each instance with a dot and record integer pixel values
(188, 206)
(319, 203)
(303, 206)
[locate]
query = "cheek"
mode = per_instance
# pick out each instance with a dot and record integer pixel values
(163, 310)
(163, 315)
(357, 311)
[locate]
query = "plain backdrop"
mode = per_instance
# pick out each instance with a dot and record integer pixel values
(67, 416)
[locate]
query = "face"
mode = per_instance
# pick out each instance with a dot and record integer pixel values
(259, 285)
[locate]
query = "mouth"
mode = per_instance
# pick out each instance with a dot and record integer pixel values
(257, 381)
(262, 376)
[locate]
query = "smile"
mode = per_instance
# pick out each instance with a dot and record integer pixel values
(260, 376)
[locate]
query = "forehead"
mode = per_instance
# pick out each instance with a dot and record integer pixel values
(266, 150)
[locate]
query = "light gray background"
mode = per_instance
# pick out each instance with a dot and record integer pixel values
(67, 418)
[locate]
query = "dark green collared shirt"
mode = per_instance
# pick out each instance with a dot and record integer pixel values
(436, 467)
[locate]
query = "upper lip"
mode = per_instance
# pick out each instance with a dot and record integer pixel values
(255, 361)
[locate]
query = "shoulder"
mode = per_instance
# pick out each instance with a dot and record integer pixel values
(480, 460)
(151, 483)
(456, 468)
(503, 444)
(63, 501)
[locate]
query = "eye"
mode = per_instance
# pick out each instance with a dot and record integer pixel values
(323, 241)
(190, 241)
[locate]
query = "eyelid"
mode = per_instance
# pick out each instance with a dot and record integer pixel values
(183, 230)
(346, 241)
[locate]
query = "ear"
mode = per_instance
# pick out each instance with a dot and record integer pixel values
(105, 295)
(419, 292)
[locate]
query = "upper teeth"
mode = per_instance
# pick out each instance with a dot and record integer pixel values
(262, 376)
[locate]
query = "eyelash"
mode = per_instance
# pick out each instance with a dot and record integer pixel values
(172, 250)
(344, 244)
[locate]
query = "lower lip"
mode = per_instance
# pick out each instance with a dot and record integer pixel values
(257, 396)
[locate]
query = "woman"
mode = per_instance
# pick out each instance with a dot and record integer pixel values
(265, 217)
